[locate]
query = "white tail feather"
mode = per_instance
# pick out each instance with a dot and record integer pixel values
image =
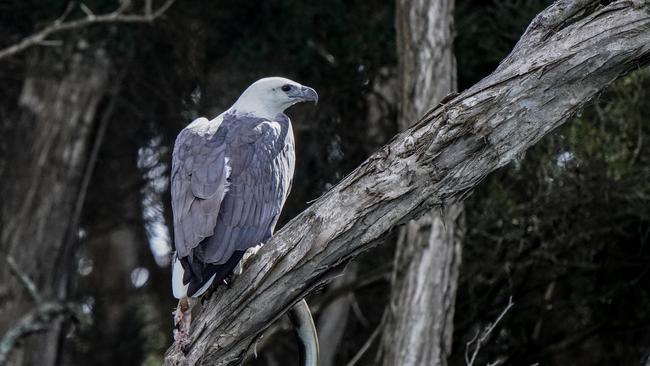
(178, 288)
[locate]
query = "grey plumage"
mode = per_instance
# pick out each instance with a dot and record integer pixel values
(230, 178)
(229, 181)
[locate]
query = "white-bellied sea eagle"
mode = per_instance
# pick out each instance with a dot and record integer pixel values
(230, 178)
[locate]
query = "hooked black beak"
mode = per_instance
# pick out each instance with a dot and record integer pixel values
(308, 94)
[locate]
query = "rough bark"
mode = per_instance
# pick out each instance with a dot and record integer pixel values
(426, 62)
(43, 169)
(424, 283)
(569, 53)
(427, 258)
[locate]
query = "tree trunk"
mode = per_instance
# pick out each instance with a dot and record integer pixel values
(569, 53)
(428, 253)
(45, 161)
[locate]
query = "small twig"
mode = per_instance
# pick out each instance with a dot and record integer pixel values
(483, 338)
(65, 14)
(124, 5)
(147, 7)
(369, 342)
(60, 25)
(637, 150)
(25, 280)
(381, 274)
(36, 320)
(51, 43)
(357, 311)
(89, 13)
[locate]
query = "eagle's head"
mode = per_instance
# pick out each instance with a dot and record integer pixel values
(269, 97)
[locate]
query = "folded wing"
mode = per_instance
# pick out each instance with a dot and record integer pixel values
(198, 184)
(228, 187)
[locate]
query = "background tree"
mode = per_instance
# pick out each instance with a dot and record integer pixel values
(47, 143)
(420, 318)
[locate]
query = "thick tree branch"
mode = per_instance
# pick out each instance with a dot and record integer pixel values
(565, 58)
(61, 25)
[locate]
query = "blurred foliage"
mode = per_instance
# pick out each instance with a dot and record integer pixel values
(486, 31)
(565, 229)
(566, 232)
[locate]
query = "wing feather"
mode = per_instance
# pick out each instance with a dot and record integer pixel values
(230, 179)
(258, 187)
(199, 182)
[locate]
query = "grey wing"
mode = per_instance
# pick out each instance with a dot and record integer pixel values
(259, 184)
(198, 184)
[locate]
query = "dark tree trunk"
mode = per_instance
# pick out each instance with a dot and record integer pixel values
(46, 158)
(427, 258)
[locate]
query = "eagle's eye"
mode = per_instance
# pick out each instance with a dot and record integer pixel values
(286, 87)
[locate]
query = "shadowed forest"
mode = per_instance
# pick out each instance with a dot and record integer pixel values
(88, 120)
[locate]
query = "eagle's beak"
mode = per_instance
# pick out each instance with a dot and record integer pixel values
(308, 94)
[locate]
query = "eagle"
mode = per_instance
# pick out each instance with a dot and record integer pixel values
(230, 178)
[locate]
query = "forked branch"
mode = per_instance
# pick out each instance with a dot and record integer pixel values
(61, 25)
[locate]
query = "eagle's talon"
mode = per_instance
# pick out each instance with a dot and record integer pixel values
(228, 281)
(208, 294)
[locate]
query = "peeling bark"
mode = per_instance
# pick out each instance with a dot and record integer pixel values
(425, 49)
(420, 321)
(420, 330)
(43, 170)
(560, 63)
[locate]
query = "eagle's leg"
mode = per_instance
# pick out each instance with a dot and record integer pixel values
(250, 252)
(239, 268)
(182, 320)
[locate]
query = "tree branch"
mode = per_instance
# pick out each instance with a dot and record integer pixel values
(39, 319)
(61, 25)
(36, 320)
(29, 285)
(375, 333)
(478, 340)
(539, 86)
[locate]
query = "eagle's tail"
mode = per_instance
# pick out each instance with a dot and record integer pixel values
(193, 278)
